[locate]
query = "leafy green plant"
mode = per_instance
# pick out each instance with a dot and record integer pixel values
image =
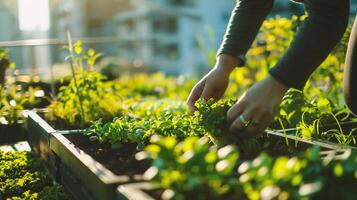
(87, 97)
(304, 176)
(310, 116)
(5, 63)
(192, 169)
(156, 85)
(14, 101)
(171, 118)
(211, 116)
(144, 119)
(23, 176)
(166, 118)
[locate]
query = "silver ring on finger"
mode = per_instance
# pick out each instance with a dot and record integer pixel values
(255, 123)
(244, 121)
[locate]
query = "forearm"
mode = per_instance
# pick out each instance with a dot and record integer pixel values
(320, 32)
(246, 19)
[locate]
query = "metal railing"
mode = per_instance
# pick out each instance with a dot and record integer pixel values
(48, 42)
(33, 43)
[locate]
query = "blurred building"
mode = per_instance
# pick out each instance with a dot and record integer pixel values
(8, 21)
(18, 22)
(9, 25)
(163, 34)
(68, 15)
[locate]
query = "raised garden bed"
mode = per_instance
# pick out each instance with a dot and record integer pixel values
(81, 172)
(142, 191)
(72, 158)
(87, 168)
(39, 133)
(90, 170)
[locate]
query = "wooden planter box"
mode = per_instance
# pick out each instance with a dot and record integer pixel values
(137, 191)
(79, 172)
(39, 133)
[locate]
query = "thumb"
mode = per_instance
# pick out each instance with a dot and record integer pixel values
(195, 95)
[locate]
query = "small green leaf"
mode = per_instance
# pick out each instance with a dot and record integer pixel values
(338, 170)
(91, 52)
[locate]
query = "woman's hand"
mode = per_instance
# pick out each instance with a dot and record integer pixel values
(215, 83)
(254, 110)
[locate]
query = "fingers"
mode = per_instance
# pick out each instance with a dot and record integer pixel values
(235, 111)
(210, 92)
(258, 118)
(238, 124)
(256, 123)
(195, 95)
(206, 93)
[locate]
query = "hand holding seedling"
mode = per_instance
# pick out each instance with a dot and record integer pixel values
(215, 83)
(254, 110)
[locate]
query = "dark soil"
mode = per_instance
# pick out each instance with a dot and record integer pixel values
(120, 161)
(273, 145)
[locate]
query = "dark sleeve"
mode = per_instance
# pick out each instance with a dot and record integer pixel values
(319, 33)
(244, 24)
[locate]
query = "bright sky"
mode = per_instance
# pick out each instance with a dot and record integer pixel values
(34, 15)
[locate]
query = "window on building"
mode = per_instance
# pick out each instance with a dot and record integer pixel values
(171, 24)
(172, 51)
(130, 25)
(164, 24)
(156, 24)
(157, 48)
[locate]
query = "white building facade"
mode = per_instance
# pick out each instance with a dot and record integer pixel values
(163, 34)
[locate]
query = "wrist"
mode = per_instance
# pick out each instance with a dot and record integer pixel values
(226, 63)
